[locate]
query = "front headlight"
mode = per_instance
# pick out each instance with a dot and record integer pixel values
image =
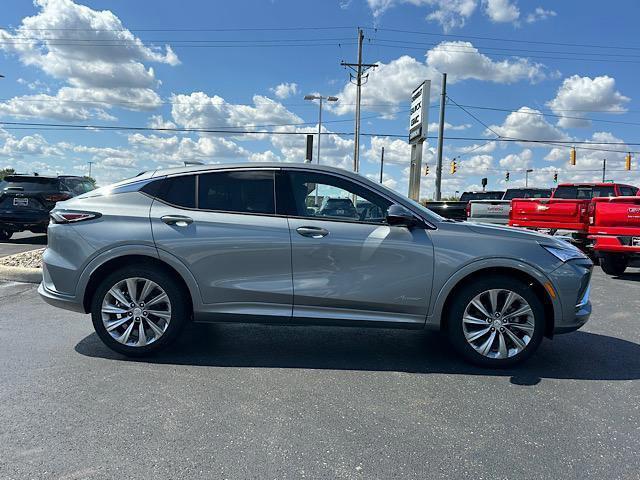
(564, 253)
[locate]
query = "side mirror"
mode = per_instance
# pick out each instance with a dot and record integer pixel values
(398, 216)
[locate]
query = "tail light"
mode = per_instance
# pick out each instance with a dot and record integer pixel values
(467, 209)
(591, 212)
(61, 216)
(57, 197)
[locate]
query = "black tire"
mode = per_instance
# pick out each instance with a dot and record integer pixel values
(467, 293)
(5, 235)
(613, 263)
(179, 303)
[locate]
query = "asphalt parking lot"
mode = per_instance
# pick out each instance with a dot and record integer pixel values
(236, 401)
(22, 242)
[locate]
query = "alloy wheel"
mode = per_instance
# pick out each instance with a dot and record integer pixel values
(498, 323)
(136, 312)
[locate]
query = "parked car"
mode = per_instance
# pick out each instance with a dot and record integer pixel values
(25, 200)
(566, 209)
(337, 207)
(457, 210)
(497, 211)
(237, 243)
(614, 227)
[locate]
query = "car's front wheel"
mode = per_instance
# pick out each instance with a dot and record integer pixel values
(5, 234)
(496, 322)
(138, 310)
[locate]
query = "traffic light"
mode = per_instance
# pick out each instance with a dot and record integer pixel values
(627, 162)
(555, 177)
(572, 156)
(426, 169)
(454, 167)
(506, 177)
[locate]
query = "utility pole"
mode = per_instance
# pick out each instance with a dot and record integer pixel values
(90, 163)
(320, 98)
(359, 68)
(604, 169)
(381, 163)
(443, 100)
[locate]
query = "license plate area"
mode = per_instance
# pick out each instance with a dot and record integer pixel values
(20, 202)
(635, 241)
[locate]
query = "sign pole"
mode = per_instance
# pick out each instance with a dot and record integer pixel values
(443, 101)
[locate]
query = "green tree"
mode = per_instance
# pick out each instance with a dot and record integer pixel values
(6, 171)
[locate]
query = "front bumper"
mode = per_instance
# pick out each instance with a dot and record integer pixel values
(68, 302)
(573, 282)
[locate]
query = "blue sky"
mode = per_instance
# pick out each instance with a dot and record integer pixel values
(247, 65)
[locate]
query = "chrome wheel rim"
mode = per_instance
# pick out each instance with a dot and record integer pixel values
(498, 323)
(136, 312)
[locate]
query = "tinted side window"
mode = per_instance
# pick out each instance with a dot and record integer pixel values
(604, 191)
(627, 191)
(322, 196)
(244, 192)
(179, 191)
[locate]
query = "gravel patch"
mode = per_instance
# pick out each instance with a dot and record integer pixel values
(30, 259)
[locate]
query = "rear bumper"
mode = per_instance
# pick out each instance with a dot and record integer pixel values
(68, 302)
(577, 227)
(23, 220)
(613, 243)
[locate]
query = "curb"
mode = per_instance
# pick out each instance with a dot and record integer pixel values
(21, 274)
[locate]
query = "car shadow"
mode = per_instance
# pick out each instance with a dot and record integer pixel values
(633, 275)
(580, 355)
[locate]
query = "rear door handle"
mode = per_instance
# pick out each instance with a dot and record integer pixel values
(177, 220)
(312, 232)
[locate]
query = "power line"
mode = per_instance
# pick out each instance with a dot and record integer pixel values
(502, 39)
(172, 29)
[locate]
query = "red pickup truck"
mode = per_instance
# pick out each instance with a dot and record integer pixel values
(615, 229)
(566, 209)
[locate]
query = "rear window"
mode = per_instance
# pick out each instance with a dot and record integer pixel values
(468, 196)
(179, 191)
(627, 191)
(584, 193)
(29, 184)
(524, 193)
(243, 192)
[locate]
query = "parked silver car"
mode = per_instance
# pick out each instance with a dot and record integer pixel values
(247, 243)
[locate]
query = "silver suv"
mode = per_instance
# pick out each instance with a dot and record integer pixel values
(253, 243)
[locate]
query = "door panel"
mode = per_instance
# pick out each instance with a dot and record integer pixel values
(242, 263)
(361, 272)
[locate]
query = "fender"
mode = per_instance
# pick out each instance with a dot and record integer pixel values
(141, 250)
(437, 306)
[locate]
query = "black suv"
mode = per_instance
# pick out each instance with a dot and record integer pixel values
(26, 200)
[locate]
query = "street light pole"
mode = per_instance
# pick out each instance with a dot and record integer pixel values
(320, 98)
(526, 176)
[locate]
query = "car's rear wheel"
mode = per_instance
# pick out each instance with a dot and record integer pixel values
(613, 263)
(5, 234)
(139, 310)
(496, 322)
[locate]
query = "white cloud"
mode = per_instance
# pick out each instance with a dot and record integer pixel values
(478, 148)
(157, 121)
(501, 11)
(113, 72)
(198, 110)
(590, 157)
(448, 13)
(285, 90)
(461, 60)
(516, 161)
(433, 126)
(539, 14)
(584, 93)
(527, 123)
(31, 145)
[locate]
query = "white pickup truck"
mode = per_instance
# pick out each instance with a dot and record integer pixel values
(497, 211)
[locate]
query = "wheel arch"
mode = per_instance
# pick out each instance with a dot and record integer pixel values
(100, 270)
(537, 281)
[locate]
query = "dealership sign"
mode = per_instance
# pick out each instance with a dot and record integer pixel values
(419, 112)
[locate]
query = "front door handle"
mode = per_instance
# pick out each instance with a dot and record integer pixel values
(177, 220)
(312, 232)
